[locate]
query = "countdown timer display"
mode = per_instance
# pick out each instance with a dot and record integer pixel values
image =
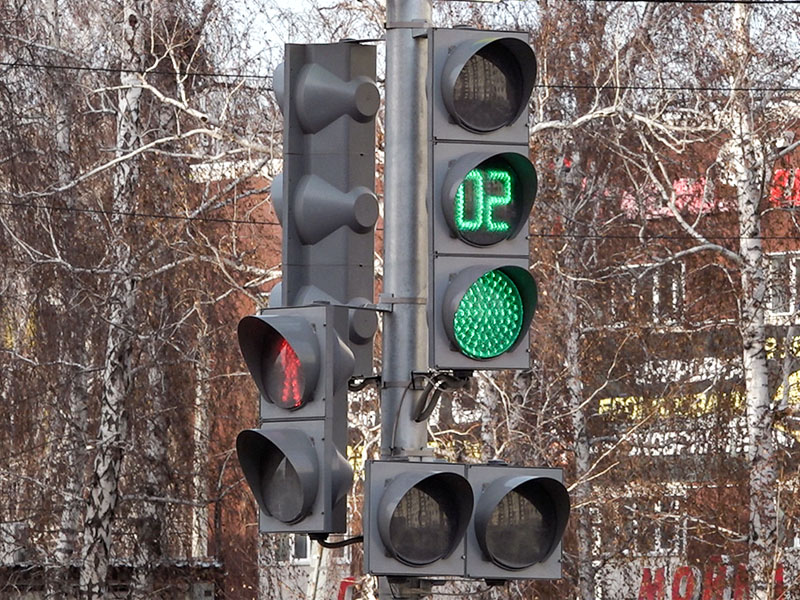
(488, 203)
(487, 197)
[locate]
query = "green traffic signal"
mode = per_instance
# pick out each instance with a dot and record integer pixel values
(488, 320)
(486, 310)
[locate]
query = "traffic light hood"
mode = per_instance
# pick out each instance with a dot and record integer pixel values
(489, 307)
(265, 454)
(545, 496)
(449, 505)
(261, 338)
(510, 55)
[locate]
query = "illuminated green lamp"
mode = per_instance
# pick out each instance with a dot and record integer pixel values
(487, 311)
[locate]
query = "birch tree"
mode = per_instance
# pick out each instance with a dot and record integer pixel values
(724, 50)
(123, 282)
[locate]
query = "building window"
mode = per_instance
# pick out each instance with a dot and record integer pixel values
(648, 293)
(300, 548)
(654, 527)
(292, 548)
(783, 283)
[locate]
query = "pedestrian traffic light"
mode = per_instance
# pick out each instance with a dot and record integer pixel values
(481, 293)
(493, 522)
(325, 198)
(295, 462)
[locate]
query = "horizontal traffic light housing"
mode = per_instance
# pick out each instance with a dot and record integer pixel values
(490, 521)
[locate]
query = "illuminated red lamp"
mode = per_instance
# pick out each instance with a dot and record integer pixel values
(282, 353)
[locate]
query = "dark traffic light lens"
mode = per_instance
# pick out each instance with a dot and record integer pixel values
(283, 376)
(521, 530)
(425, 524)
(489, 203)
(281, 488)
(488, 91)
(489, 317)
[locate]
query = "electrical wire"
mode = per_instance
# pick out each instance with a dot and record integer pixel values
(762, 2)
(433, 391)
(320, 539)
(563, 235)
(141, 215)
(119, 70)
(547, 86)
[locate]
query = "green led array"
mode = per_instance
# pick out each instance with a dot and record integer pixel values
(476, 198)
(489, 317)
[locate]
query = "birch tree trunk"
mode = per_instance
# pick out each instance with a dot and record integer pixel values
(748, 166)
(70, 425)
(201, 433)
(487, 399)
(116, 378)
(575, 405)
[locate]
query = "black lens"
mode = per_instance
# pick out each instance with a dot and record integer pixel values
(280, 487)
(521, 529)
(424, 525)
(488, 91)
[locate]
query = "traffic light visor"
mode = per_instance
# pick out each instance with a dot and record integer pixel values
(519, 521)
(282, 354)
(486, 83)
(281, 468)
(423, 517)
(487, 198)
(487, 311)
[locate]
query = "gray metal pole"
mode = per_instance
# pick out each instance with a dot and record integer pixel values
(405, 243)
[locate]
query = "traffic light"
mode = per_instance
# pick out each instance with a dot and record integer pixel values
(481, 293)
(295, 462)
(325, 198)
(520, 517)
(492, 522)
(415, 518)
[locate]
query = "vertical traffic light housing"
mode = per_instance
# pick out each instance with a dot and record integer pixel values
(481, 293)
(295, 462)
(325, 198)
(520, 517)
